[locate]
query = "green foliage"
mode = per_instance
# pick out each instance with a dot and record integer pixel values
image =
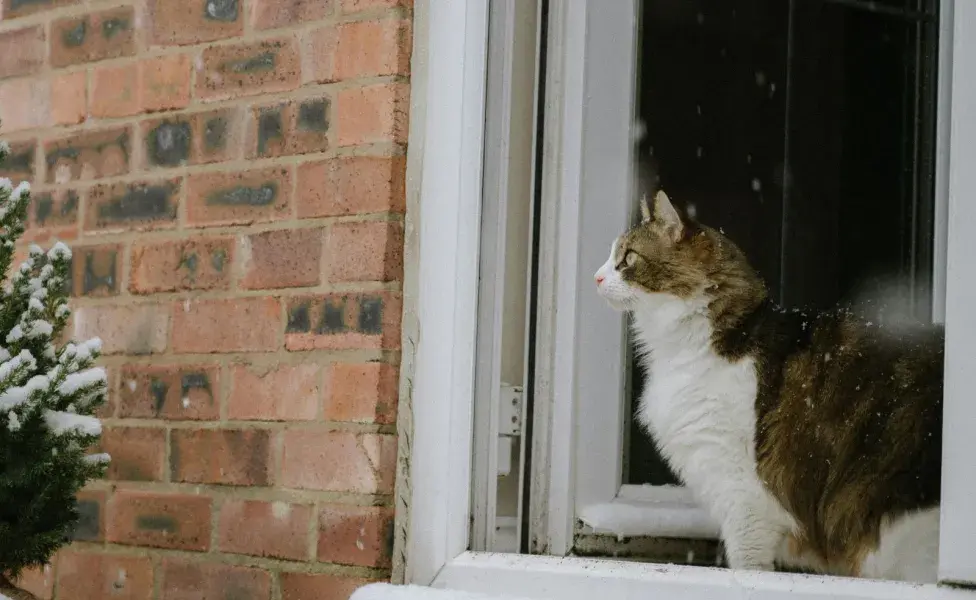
(48, 396)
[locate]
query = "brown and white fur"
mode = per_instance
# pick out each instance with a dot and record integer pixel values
(813, 440)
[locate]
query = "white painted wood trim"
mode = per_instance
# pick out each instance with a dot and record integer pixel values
(574, 578)
(943, 134)
(958, 517)
(447, 132)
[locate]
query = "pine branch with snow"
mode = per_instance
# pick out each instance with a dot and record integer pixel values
(48, 396)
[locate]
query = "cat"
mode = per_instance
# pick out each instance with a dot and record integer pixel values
(814, 441)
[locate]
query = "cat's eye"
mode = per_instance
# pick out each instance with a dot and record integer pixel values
(630, 258)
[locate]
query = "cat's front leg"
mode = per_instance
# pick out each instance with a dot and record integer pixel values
(751, 541)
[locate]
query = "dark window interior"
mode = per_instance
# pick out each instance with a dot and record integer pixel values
(805, 130)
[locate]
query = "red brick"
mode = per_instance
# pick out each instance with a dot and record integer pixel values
(278, 393)
(96, 270)
(89, 576)
(54, 209)
(294, 127)
(247, 69)
(132, 329)
(281, 259)
(178, 392)
(88, 155)
(92, 37)
(149, 85)
(38, 580)
(69, 98)
(224, 456)
(194, 21)
(141, 205)
(308, 586)
(362, 49)
(24, 51)
(242, 325)
(176, 521)
(19, 164)
(320, 48)
(194, 264)
(338, 461)
(269, 14)
(369, 251)
(356, 535)
(351, 185)
(11, 9)
(107, 409)
(192, 139)
(239, 198)
(352, 6)
(137, 453)
(91, 516)
(362, 393)
(372, 114)
(274, 529)
(26, 102)
(336, 321)
(191, 580)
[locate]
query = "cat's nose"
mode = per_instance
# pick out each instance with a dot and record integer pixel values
(599, 279)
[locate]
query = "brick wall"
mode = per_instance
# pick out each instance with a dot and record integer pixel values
(230, 174)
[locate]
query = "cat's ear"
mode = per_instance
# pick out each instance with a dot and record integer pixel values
(645, 209)
(666, 215)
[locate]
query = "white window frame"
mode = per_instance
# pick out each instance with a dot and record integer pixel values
(445, 185)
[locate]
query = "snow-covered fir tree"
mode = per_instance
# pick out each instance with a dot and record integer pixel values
(48, 396)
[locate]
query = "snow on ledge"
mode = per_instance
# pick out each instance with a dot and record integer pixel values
(626, 519)
(387, 591)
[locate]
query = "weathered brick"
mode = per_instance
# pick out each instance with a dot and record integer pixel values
(133, 329)
(358, 49)
(69, 98)
(351, 320)
(107, 409)
(195, 21)
(141, 205)
(57, 208)
(372, 114)
(39, 580)
(294, 127)
(91, 516)
(368, 251)
(338, 461)
(149, 85)
(88, 155)
(91, 576)
(192, 139)
(190, 264)
(224, 456)
(96, 270)
(269, 14)
(239, 198)
(193, 580)
(308, 586)
(273, 529)
(281, 258)
(137, 453)
(26, 102)
(354, 6)
(362, 393)
(11, 9)
(179, 392)
(275, 393)
(246, 69)
(241, 325)
(19, 164)
(351, 185)
(177, 521)
(355, 535)
(24, 51)
(91, 37)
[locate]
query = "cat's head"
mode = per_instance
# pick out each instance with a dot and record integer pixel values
(669, 256)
